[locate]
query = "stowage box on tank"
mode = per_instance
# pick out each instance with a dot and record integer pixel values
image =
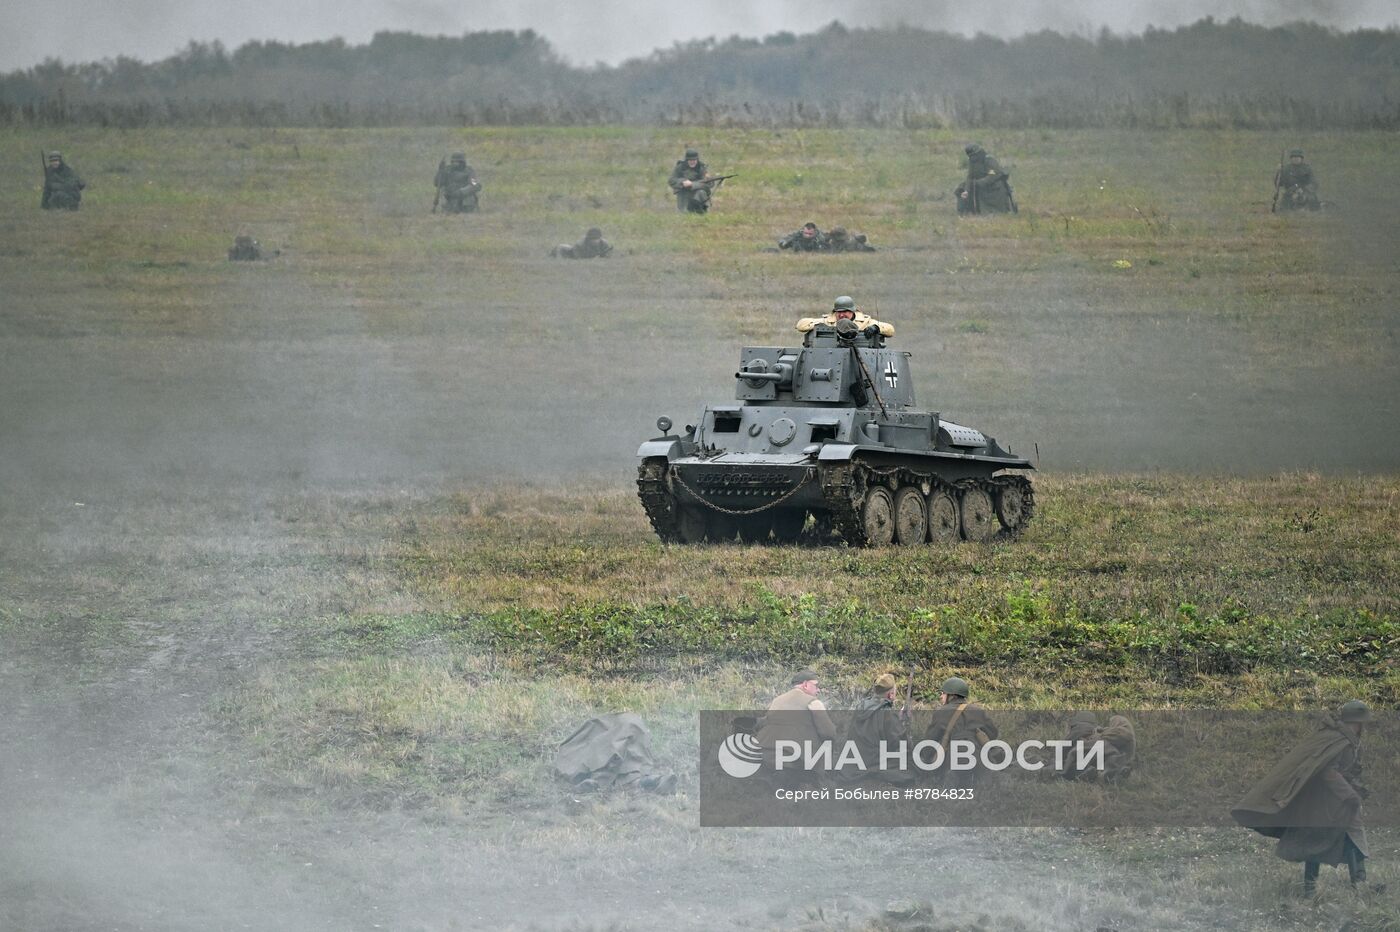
(829, 429)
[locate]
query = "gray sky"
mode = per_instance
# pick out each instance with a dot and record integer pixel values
(602, 30)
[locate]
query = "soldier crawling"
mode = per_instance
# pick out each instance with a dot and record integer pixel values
(1295, 185)
(987, 188)
(807, 239)
(838, 240)
(1119, 742)
(457, 185)
(63, 189)
(592, 246)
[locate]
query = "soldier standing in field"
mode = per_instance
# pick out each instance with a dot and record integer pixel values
(987, 189)
(592, 246)
(1311, 800)
(807, 239)
(63, 189)
(1295, 185)
(958, 719)
(874, 721)
(457, 185)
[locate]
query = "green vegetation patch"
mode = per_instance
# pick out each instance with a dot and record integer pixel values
(1174, 576)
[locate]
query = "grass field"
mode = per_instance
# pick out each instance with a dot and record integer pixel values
(308, 564)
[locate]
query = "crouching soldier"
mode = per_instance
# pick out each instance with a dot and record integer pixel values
(959, 720)
(245, 249)
(987, 188)
(63, 189)
(796, 716)
(874, 726)
(457, 185)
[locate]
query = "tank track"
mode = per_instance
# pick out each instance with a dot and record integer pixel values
(844, 487)
(657, 500)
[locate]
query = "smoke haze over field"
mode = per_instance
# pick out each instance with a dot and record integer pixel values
(80, 30)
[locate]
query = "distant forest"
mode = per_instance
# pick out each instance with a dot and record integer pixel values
(1209, 74)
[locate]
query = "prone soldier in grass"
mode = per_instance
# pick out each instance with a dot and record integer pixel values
(592, 246)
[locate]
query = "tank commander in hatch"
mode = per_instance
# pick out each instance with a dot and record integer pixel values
(845, 309)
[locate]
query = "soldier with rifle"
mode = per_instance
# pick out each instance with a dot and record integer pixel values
(1295, 185)
(693, 184)
(63, 189)
(457, 186)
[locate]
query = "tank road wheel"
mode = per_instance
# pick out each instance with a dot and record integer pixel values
(753, 529)
(788, 524)
(943, 522)
(910, 517)
(720, 528)
(979, 521)
(1011, 507)
(877, 517)
(690, 525)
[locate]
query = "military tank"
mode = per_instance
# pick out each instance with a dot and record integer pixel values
(829, 431)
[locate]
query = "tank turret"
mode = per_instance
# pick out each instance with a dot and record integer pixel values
(826, 438)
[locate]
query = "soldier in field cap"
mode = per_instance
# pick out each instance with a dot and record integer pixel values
(797, 715)
(873, 721)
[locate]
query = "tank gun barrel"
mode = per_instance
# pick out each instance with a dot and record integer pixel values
(761, 376)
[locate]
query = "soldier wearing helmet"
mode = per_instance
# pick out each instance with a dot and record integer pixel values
(457, 185)
(63, 189)
(691, 182)
(839, 240)
(959, 719)
(845, 309)
(1295, 184)
(592, 246)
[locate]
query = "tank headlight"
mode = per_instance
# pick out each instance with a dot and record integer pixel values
(663, 424)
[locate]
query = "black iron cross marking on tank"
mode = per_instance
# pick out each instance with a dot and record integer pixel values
(891, 374)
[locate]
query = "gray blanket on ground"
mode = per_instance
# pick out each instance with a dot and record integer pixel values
(611, 751)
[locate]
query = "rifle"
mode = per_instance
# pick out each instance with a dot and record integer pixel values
(908, 694)
(869, 381)
(717, 180)
(437, 188)
(1278, 176)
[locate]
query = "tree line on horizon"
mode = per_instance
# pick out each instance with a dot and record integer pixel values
(1208, 74)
